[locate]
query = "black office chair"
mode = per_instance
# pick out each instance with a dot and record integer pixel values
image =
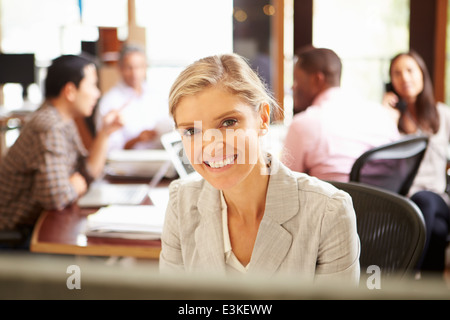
(391, 166)
(391, 229)
(14, 240)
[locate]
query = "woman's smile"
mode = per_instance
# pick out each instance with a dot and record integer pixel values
(219, 164)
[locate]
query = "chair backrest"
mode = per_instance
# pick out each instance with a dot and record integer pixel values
(390, 227)
(391, 166)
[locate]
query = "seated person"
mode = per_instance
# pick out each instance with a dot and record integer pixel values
(249, 214)
(423, 115)
(333, 127)
(144, 122)
(48, 167)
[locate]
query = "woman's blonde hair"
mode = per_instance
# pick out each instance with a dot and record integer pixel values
(230, 72)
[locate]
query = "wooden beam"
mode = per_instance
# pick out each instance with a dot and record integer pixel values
(0, 28)
(131, 12)
(136, 34)
(303, 23)
(278, 53)
(428, 24)
(440, 49)
(421, 30)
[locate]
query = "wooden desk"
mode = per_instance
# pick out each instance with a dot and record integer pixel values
(62, 232)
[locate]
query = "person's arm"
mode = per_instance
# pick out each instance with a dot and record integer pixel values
(171, 259)
(389, 101)
(444, 112)
(339, 249)
(79, 183)
(112, 100)
(54, 186)
(164, 124)
(97, 157)
(144, 136)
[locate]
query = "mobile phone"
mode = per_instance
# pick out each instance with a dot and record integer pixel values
(401, 104)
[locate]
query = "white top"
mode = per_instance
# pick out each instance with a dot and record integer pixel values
(432, 171)
(232, 263)
(139, 113)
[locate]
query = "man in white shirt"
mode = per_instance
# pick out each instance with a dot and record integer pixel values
(144, 122)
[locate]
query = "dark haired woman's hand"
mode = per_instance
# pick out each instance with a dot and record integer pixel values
(389, 101)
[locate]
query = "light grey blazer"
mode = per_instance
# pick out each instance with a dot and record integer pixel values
(308, 228)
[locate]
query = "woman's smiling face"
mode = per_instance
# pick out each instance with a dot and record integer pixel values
(220, 135)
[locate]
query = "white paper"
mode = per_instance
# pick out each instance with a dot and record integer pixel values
(122, 221)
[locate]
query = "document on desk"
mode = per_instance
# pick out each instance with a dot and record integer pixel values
(144, 222)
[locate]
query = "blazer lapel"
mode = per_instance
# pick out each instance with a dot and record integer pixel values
(209, 233)
(273, 240)
(271, 247)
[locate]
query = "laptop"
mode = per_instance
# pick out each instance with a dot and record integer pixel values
(102, 194)
(137, 163)
(174, 146)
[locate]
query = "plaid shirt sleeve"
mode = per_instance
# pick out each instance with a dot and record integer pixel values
(58, 161)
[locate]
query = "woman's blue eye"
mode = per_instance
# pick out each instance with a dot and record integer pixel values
(229, 122)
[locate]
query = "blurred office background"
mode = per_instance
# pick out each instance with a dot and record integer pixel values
(366, 34)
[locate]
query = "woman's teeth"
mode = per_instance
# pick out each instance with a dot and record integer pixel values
(221, 163)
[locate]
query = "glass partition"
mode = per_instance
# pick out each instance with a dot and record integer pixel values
(366, 35)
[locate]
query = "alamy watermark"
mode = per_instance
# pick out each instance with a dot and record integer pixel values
(374, 280)
(74, 279)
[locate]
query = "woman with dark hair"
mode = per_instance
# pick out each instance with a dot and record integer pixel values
(421, 114)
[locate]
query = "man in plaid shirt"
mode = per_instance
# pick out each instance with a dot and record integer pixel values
(48, 167)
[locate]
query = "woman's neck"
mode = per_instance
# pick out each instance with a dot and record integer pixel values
(247, 200)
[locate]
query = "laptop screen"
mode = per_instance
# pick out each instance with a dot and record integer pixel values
(174, 146)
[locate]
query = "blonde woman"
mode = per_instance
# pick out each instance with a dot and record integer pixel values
(249, 213)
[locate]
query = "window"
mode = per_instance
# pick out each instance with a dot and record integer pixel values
(49, 28)
(40, 27)
(104, 13)
(366, 35)
(179, 32)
